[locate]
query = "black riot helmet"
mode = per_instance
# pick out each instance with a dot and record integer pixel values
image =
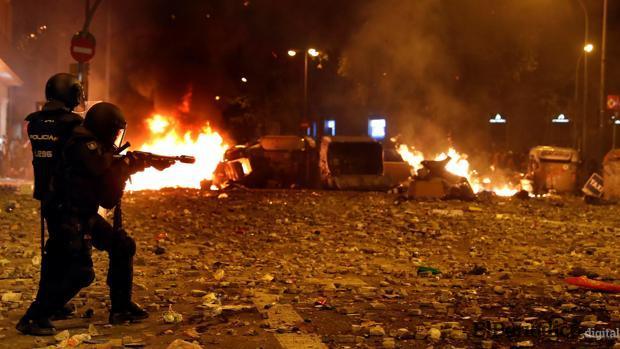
(65, 88)
(107, 123)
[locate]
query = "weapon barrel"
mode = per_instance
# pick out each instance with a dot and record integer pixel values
(186, 159)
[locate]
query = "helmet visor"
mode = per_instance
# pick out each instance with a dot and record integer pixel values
(120, 137)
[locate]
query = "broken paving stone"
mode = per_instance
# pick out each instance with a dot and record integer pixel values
(402, 332)
(192, 333)
(499, 290)
(568, 306)
(389, 343)
(376, 331)
(181, 344)
(458, 334)
(219, 274)
(434, 334)
(11, 297)
(130, 342)
(198, 293)
(378, 306)
(414, 312)
(210, 298)
(344, 339)
(524, 344)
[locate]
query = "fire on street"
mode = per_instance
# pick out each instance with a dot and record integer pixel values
(318, 269)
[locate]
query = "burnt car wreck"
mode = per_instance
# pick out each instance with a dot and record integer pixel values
(342, 163)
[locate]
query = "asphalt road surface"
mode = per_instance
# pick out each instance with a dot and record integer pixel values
(316, 269)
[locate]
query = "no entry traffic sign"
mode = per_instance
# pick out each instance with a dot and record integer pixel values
(83, 47)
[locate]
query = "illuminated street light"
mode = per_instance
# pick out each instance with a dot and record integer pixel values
(588, 48)
(217, 98)
(498, 119)
(312, 52)
(561, 119)
(243, 79)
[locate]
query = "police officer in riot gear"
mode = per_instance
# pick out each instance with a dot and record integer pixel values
(90, 175)
(48, 131)
(49, 128)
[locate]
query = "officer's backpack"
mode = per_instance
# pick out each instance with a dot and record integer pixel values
(48, 130)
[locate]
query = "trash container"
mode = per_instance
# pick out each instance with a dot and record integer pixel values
(553, 168)
(611, 175)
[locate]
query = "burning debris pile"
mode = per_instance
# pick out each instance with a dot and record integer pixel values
(435, 181)
(454, 163)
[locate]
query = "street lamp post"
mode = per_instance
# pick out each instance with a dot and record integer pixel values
(587, 48)
(311, 52)
(601, 121)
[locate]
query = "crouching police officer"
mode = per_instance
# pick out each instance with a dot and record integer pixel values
(90, 175)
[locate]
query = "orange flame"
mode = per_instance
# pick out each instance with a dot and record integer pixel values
(458, 165)
(207, 146)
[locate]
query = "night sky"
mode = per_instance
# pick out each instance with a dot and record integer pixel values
(435, 68)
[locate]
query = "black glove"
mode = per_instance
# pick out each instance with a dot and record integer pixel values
(162, 165)
(135, 163)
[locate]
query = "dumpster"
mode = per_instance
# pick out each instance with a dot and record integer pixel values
(611, 175)
(352, 163)
(553, 169)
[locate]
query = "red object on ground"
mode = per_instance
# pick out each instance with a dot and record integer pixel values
(584, 282)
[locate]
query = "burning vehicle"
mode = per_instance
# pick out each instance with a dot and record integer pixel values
(553, 169)
(343, 163)
(271, 161)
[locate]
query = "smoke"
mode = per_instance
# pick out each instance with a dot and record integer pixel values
(441, 69)
(435, 68)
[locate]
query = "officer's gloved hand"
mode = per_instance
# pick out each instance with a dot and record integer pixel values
(162, 165)
(135, 163)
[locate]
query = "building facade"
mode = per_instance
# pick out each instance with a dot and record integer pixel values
(8, 78)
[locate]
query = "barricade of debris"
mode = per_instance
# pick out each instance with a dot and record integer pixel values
(433, 181)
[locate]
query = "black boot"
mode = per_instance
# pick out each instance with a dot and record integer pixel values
(36, 326)
(130, 313)
(64, 313)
